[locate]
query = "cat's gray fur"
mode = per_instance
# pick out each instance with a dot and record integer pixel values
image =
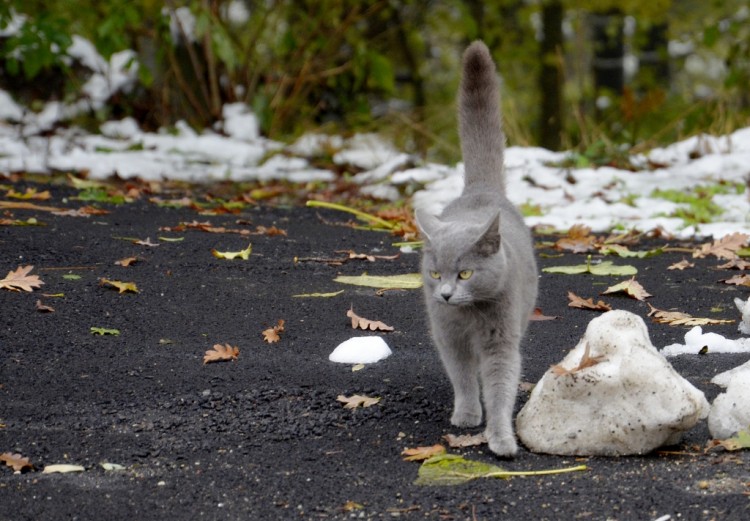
(477, 323)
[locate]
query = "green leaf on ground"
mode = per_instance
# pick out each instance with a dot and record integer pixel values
(104, 331)
(71, 276)
(406, 281)
(451, 469)
(603, 268)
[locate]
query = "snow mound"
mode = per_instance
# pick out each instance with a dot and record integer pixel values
(696, 340)
(360, 350)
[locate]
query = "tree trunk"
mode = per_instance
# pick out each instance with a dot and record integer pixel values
(609, 51)
(550, 77)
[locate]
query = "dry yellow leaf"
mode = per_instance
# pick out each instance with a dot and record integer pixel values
(683, 264)
(127, 261)
(630, 287)
(122, 287)
(221, 353)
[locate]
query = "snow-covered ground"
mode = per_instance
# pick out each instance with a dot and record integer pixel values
(601, 198)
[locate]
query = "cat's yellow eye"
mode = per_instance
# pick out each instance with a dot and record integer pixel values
(435, 274)
(465, 274)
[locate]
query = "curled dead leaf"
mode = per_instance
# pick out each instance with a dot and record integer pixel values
(357, 400)
(737, 280)
(272, 334)
(678, 318)
(122, 287)
(221, 353)
(683, 264)
(578, 240)
(581, 303)
(630, 287)
(586, 361)
(422, 453)
(16, 461)
(724, 248)
(363, 323)
(465, 440)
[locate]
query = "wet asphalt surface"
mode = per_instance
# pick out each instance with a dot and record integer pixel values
(263, 437)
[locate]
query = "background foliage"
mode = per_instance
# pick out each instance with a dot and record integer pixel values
(392, 65)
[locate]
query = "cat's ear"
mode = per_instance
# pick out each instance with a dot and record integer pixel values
(489, 237)
(427, 223)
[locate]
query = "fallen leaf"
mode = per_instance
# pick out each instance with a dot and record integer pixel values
(677, 318)
(724, 248)
(625, 252)
(581, 303)
(318, 295)
(357, 400)
(272, 334)
(44, 308)
(451, 469)
(104, 331)
(221, 353)
(737, 280)
(231, 255)
(62, 468)
(146, 242)
(735, 264)
(740, 441)
(351, 506)
(422, 453)
(465, 440)
(127, 261)
(363, 323)
(71, 276)
(407, 281)
(30, 193)
(603, 268)
(15, 461)
(631, 287)
(122, 287)
(204, 227)
(367, 256)
(586, 361)
(31, 221)
(683, 264)
(12, 205)
(20, 280)
(357, 367)
(111, 466)
(538, 315)
(578, 240)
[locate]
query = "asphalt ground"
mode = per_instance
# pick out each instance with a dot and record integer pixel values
(263, 436)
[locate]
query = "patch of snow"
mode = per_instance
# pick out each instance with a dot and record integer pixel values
(696, 340)
(126, 128)
(239, 122)
(630, 400)
(367, 151)
(730, 411)
(744, 308)
(9, 109)
(361, 350)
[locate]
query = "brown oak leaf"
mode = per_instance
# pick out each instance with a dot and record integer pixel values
(422, 453)
(272, 334)
(683, 264)
(737, 280)
(581, 303)
(578, 240)
(363, 323)
(724, 248)
(735, 264)
(586, 361)
(20, 280)
(15, 461)
(221, 353)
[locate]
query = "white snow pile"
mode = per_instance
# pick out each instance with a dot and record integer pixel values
(744, 308)
(361, 350)
(601, 198)
(613, 394)
(696, 341)
(730, 411)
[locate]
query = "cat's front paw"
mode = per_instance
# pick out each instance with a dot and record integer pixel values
(505, 446)
(466, 418)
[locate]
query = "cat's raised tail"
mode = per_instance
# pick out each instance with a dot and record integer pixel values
(480, 127)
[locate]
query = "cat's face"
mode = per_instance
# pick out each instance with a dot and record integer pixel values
(462, 264)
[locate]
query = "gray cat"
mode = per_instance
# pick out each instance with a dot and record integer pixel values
(479, 270)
